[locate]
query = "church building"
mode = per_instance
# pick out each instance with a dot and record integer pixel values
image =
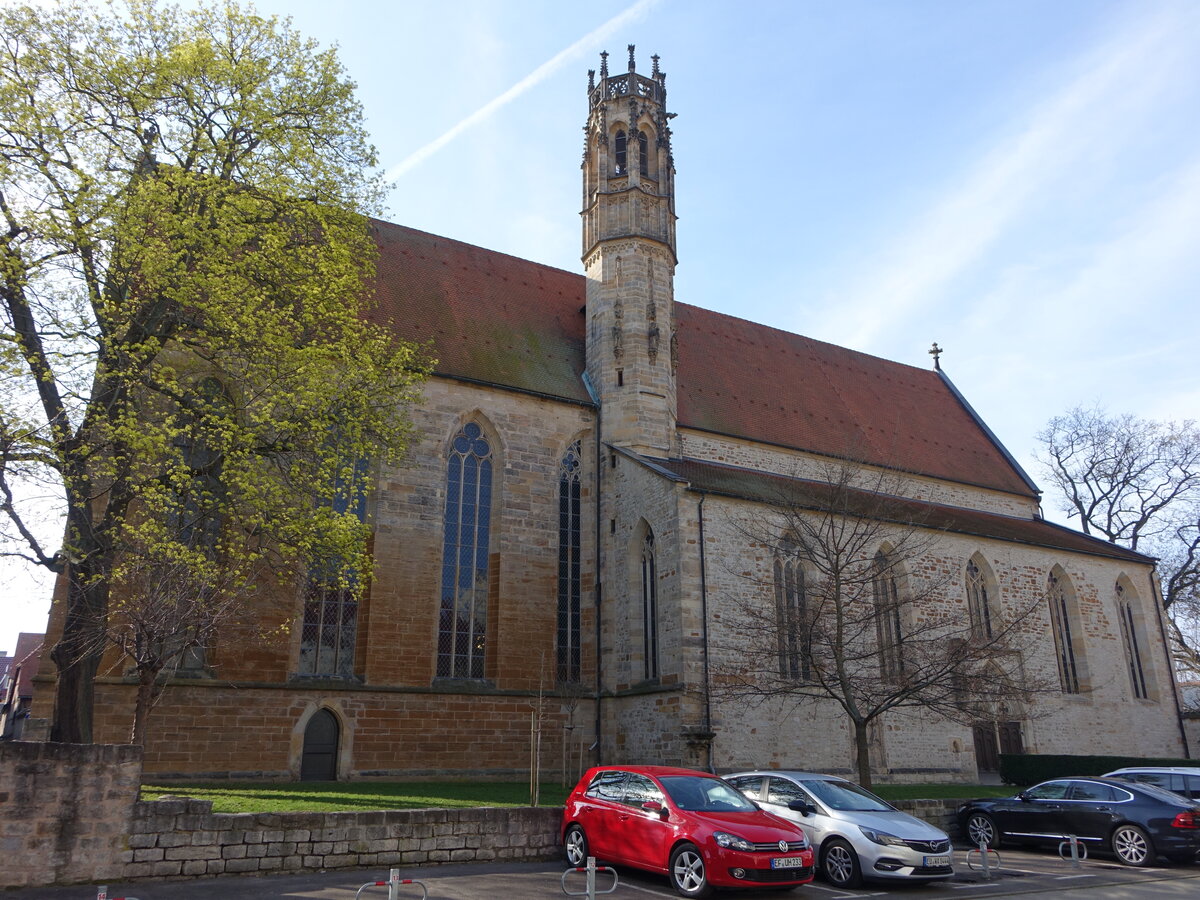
(563, 560)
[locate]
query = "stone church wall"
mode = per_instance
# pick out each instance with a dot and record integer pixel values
(766, 458)
(917, 746)
(647, 720)
(246, 718)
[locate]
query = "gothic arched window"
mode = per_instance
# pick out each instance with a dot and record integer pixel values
(329, 634)
(887, 618)
(1061, 599)
(978, 602)
(1129, 637)
(791, 611)
(569, 546)
(462, 617)
(643, 153)
(620, 154)
(649, 607)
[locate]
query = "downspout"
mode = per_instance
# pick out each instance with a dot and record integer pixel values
(597, 585)
(1161, 611)
(704, 640)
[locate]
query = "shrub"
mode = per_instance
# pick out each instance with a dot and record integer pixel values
(1030, 768)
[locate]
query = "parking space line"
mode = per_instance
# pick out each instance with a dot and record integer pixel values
(644, 890)
(974, 884)
(1065, 877)
(840, 893)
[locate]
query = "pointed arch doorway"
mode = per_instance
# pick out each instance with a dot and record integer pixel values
(318, 761)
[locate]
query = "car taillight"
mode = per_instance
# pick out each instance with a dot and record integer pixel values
(1185, 820)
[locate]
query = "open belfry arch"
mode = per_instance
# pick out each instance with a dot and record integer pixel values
(584, 540)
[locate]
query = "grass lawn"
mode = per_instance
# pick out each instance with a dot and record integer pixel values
(350, 796)
(328, 796)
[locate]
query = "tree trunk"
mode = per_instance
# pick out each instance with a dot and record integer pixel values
(862, 754)
(146, 697)
(77, 656)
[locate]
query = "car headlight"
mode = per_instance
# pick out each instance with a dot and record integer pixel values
(882, 837)
(724, 839)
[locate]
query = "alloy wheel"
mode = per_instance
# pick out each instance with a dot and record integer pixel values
(1131, 846)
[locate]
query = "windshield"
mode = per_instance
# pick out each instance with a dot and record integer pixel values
(704, 794)
(842, 795)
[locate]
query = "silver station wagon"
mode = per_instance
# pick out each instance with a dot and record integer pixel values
(856, 835)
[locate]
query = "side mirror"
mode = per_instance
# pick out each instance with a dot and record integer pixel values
(655, 807)
(1024, 795)
(801, 807)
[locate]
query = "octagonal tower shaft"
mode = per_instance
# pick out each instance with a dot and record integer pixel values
(629, 257)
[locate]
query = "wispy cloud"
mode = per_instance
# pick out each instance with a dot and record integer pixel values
(1088, 114)
(538, 75)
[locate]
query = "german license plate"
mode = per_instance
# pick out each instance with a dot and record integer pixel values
(936, 862)
(787, 862)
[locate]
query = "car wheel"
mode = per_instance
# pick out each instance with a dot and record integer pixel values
(687, 872)
(981, 829)
(576, 845)
(839, 865)
(1132, 846)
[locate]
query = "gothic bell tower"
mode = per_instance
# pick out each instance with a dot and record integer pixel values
(629, 257)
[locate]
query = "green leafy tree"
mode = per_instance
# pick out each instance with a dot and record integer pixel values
(187, 347)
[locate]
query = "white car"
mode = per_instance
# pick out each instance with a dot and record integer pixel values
(1181, 780)
(856, 835)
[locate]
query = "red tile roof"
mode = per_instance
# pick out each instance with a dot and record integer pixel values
(497, 319)
(748, 484)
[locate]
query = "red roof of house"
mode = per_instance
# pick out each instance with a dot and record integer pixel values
(497, 319)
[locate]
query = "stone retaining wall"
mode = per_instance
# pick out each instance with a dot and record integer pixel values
(65, 811)
(69, 814)
(185, 837)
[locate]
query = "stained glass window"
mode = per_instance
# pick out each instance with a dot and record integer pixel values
(1060, 623)
(887, 619)
(329, 634)
(791, 610)
(649, 607)
(569, 545)
(1129, 637)
(462, 617)
(977, 601)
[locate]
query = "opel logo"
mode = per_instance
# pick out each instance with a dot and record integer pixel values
(783, 845)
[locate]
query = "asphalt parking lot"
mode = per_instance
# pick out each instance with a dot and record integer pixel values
(1021, 873)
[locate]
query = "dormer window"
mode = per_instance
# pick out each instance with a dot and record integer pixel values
(621, 154)
(643, 154)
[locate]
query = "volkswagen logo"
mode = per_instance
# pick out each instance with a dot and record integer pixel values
(783, 846)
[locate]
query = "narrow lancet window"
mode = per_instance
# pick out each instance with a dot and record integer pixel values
(569, 574)
(462, 618)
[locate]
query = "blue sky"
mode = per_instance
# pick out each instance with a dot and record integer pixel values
(1018, 181)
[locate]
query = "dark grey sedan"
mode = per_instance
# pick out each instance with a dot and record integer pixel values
(1136, 822)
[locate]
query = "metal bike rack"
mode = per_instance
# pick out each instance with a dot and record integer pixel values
(590, 869)
(102, 894)
(986, 855)
(1078, 850)
(393, 884)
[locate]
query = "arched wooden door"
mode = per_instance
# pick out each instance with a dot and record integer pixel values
(319, 759)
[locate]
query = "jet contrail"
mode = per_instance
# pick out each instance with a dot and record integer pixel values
(533, 78)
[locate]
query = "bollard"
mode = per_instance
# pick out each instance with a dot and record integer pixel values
(1078, 850)
(590, 890)
(393, 885)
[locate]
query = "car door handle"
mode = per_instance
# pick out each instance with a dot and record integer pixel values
(1103, 809)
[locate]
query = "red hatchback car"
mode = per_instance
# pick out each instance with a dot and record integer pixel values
(690, 825)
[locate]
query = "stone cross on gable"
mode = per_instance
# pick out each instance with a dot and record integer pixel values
(935, 351)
